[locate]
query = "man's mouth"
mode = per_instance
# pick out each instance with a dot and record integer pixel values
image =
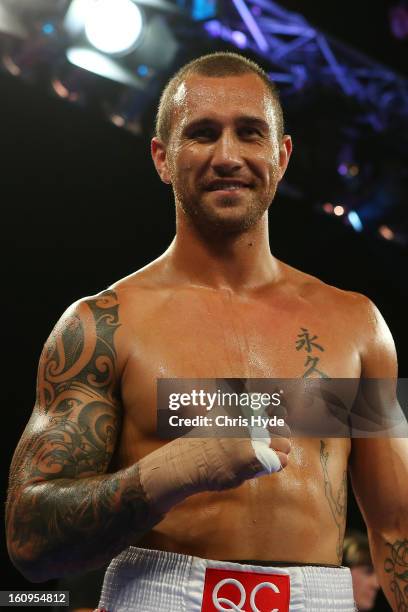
(227, 186)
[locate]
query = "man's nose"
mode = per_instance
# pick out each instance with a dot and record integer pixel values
(227, 156)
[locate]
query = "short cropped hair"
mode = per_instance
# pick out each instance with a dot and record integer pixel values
(356, 550)
(220, 64)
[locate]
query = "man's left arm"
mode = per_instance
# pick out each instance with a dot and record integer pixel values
(379, 470)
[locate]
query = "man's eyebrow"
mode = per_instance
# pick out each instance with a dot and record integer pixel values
(198, 123)
(256, 121)
(240, 120)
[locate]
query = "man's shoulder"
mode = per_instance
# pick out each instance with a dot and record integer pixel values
(318, 291)
(353, 315)
(146, 279)
(88, 318)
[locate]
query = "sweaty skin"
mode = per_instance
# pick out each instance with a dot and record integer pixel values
(216, 304)
(182, 331)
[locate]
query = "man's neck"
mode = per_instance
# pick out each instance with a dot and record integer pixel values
(236, 262)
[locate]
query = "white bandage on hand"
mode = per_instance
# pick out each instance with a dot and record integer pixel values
(267, 456)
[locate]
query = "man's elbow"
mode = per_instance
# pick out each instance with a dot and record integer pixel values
(28, 561)
(25, 548)
(29, 565)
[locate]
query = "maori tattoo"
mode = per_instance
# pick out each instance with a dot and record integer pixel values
(306, 342)
(76, 417)
(396, 565)
(63, 510)
(80, 356)
(337, 502)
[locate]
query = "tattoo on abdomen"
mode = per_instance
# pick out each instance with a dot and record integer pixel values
(396, 565)
(337, 501)
(307, 343)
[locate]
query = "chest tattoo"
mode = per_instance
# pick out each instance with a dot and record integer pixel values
(306, 342)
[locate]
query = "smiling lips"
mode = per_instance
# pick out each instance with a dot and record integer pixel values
(226, 185)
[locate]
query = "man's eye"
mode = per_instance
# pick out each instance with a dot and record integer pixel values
(203, 133)
(249, 131)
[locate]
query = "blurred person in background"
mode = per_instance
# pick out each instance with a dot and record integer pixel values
(357, 556)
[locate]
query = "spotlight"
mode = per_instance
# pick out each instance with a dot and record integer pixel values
(386, 232)
(338, 210)
(113, 26)
(240, 39)
(48, 29)
(115, 40)
(355, 221)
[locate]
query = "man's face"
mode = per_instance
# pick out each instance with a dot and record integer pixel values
(224, 158)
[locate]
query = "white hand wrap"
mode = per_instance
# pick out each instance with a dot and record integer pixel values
(264, 453)
(266, 456)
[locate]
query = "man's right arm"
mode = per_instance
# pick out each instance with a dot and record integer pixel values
(64, 513)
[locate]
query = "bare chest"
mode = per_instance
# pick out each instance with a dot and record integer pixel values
(200, 337)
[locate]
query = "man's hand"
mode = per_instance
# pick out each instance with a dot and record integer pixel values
(186, 466)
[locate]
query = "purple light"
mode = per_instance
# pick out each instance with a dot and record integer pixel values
(256, 10)
(213, 27)
(342, 169)
(252, 25)
(239, 39)
(399, 21)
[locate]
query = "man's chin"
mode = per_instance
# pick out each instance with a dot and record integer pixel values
(227, 218)
(225, 221)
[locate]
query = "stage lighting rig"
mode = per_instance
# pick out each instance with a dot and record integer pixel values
(114, 26)
(114, 38)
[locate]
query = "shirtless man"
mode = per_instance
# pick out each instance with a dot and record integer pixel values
(90, 477)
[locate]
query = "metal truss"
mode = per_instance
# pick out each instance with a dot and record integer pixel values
(301, 56)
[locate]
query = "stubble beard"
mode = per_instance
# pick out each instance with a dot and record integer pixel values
(209, 220)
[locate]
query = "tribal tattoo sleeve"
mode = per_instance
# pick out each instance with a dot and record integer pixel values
(64, 513)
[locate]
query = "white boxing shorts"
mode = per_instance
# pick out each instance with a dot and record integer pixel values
(140, 580)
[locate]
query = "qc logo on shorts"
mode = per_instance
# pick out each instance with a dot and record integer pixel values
(238, 591)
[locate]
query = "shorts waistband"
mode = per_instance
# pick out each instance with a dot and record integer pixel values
(270, 563)
(145, 580)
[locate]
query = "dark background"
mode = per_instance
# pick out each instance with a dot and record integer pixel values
(82, 206)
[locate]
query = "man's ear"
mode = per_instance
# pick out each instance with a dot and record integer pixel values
(285, 152)
(158, 150)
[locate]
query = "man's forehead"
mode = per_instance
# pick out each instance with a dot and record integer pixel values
(199, 95)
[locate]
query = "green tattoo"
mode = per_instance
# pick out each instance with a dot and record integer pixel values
(396, 565)
(337, 502)
(64, 512)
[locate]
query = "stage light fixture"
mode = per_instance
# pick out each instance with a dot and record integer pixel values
(113, 26)
(117, 40)
(98, 63)
(10, 23)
